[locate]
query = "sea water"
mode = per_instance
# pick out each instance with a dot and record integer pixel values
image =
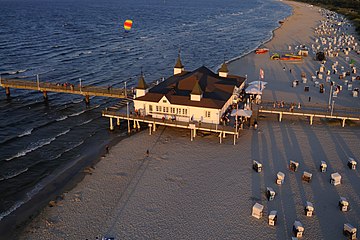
(65, 40)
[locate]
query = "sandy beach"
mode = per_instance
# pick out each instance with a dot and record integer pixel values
(205, 190)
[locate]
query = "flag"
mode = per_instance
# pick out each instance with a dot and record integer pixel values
(261, 74)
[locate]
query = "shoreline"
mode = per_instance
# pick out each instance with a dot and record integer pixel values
(266, 41)
(66, 179)
(42, 199)
(134, 187)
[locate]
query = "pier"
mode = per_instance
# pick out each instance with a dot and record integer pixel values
(46, 87)
(312, 112)
(135, 120)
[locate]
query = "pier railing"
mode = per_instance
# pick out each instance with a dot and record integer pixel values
(311, 111)
(45, 87)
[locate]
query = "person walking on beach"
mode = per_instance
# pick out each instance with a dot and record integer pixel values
(309, 99)
(147, 152)
(107, 149)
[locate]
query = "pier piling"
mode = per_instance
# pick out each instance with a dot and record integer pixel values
(111, 124)
(87, 99)
(45, 95)
(7, 91)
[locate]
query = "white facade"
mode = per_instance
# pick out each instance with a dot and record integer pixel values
(164, 109)
(178, 70)
(223, 74)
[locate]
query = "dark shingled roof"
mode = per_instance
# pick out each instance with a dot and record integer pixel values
(224, 68)
(177, 89)
(197, 89)
(178, 63)
(142, 84)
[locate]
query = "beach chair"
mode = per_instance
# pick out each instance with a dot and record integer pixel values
(355, 93)
(309, 209)
(293, 166)
(343, 204)
(257, 166)
(306, 176)
(349, 231)
(270, 193)
(323, 166)
(352, 163)
(272, 218)
(257, 210)
(335, 179)
(298, 229)
(280, 177)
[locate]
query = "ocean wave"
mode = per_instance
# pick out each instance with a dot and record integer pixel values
(237, 14)
(74, 146)
(61, 118)
(10, 210)
(13, 72)
(12, 138)
(32, 147)
(34, 191)
(14, 174)
(27, 132)
(77, 114)
(56, 157)
(77, 101)
(86, 122)
(62, 133)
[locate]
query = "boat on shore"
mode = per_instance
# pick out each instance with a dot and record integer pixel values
(291, 57)
(261, 50)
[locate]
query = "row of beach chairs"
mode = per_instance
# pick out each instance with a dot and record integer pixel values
(298, 228)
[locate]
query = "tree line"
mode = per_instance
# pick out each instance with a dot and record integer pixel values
(349, 8)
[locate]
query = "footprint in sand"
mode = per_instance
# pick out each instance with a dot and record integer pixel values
(178, 180)
(122, 174)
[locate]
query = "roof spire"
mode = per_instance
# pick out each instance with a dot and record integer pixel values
(142, 84)
(197, 89)
(178, 62)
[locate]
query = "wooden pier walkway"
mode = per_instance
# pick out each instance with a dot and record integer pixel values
(46, 87)
(312, 112)
(153, 122)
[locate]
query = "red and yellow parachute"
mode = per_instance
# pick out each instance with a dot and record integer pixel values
(127, 25)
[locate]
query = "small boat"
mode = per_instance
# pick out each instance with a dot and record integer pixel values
(261, 50)
(275, 56)
(291, 57)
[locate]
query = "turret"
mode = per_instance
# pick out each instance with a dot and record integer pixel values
(142, 87)
(178, 68)
(196, 94)
(223, 71)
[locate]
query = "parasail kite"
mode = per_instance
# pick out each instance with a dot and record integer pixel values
(128, 25)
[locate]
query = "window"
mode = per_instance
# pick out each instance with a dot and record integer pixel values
(172, 110)
(179, 111)
(150, 108)
(166, 109)
(158, 108)
(164, 101)
(184, 111)
(207, 114)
